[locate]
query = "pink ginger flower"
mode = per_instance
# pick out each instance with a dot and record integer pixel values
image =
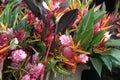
(34, 58)
(36, 71)
(96, 28)
(67, 52)
(65, 40)
(3, 44)
(18, 56)
(3, 40)
(56, 5)
(32, 79)
(26, 77)
(20, 34)
(83, 58)
(28, 66)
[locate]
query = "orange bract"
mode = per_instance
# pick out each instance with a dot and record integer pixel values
(76, 47)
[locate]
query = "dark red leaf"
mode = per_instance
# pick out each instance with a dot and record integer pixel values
(67, 20)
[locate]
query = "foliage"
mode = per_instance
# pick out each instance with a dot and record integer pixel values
(38, 37)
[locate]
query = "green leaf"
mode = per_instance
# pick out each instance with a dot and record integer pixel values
(6, 15)
(98, 15)
(113, 42)
(85, 39)
(115, 54)
(97, 38)
(103, 7)
(51, 65)
(87, 22)
(41, 48)
(107, 61)
(22, 24)
(15, 17)
(97, 64)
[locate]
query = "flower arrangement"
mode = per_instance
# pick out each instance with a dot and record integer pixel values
(37, 37)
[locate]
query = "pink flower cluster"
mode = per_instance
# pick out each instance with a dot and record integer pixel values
(83, 58)
(34, 72)
(18, 56)
(65, 40)
(3, 40)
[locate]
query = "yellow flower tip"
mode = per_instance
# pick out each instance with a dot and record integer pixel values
(83, 52)
(97, 8)
(3, 26)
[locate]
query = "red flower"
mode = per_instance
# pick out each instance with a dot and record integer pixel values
(20, 34)
(31, 17)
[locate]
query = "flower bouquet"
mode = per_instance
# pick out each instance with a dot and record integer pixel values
(39, 37)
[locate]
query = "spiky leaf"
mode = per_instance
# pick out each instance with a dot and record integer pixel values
(98, 15)
(85, 39)
(97, 38)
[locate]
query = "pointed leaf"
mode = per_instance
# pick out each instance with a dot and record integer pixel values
(98, 15)
(97, 38)
(97, 64)
(87, 22)
(85, 39)
(51, 65)
(67, 20)
(107, 61)
(15, 17)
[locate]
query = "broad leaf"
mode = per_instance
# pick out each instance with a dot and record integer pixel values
(97, 38)
(87, 22)
(113, 42)
(98, 15)
(67, 20)
(115, 54)
(107, 61)
(97, 64)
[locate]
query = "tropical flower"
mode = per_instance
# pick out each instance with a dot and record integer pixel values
(36, 71)
(18, 56)
(20, 35)
(67, 52)
(65, 40)
(54, 35)
(26, 77)
(83, 58)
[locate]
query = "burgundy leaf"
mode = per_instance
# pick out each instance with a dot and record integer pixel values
(67, 20)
